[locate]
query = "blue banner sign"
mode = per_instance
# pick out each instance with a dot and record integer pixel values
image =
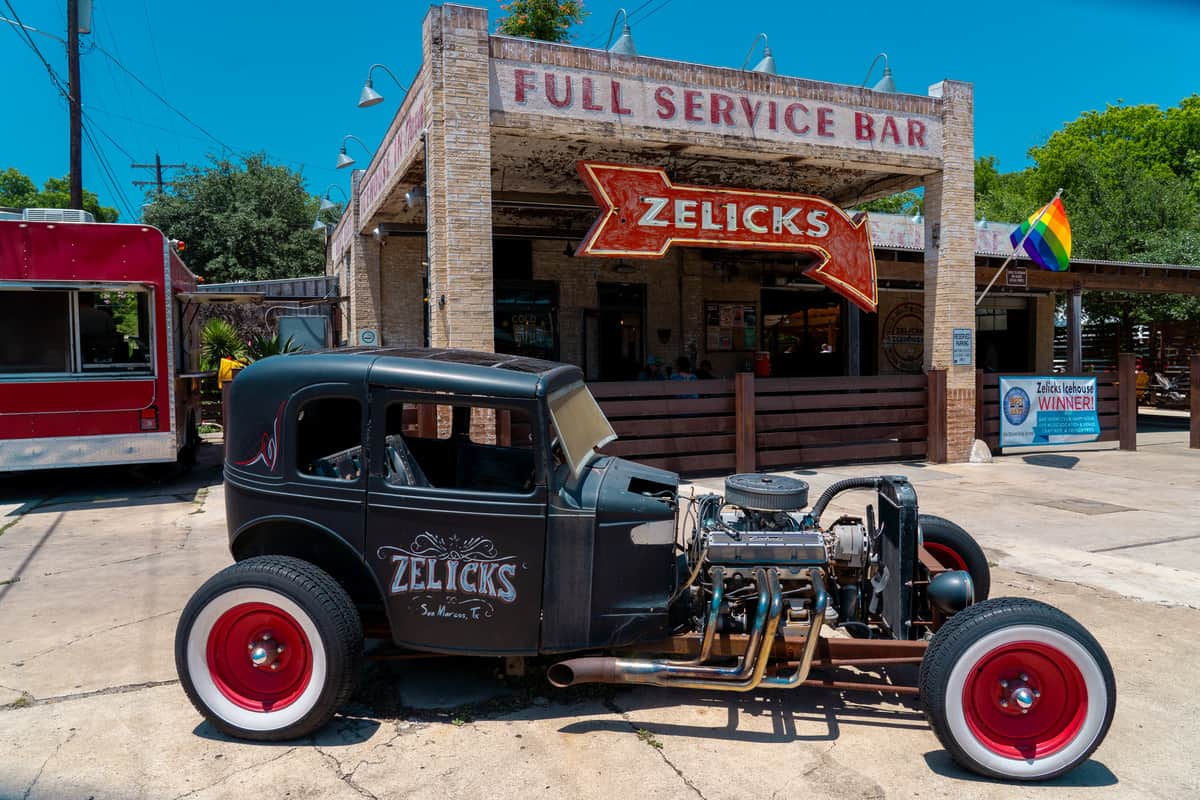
(1045, 410)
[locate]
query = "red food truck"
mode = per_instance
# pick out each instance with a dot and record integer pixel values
(96, 366)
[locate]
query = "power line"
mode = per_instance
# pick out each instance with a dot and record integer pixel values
(651, 13)
(161, 99)
(106, 172)
(628, 19)
(158, 168)
(23, 32)
(105, 134)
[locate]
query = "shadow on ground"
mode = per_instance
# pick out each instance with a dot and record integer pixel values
(53, 490)
(1091, 773)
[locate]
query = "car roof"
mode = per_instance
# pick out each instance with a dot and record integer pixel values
(466, 372)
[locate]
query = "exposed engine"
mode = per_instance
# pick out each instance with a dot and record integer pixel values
(758, 561)
(760, 522)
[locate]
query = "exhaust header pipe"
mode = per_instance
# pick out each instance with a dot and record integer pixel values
(747, 675)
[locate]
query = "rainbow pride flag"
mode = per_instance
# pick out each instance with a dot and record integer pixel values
(1049, 243)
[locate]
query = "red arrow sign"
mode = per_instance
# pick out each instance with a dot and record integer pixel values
(643, 214)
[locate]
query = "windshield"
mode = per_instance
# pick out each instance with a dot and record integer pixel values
(582, 427)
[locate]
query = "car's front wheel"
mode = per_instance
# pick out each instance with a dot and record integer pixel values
(269, 648)
(1017, 690)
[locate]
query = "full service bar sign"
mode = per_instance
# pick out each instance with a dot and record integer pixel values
(1048, 410)
(518, 87)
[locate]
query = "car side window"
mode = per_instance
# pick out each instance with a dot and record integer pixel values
(459, 447)
(329, 438)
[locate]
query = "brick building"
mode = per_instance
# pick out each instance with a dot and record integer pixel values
(462, 230)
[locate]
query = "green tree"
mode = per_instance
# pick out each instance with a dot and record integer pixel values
(244, 220)
(18, 191)
(1130, 177)
(901, 203)
(548, 20)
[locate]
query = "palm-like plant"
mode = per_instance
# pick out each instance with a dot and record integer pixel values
(219, 339)
(264, 346)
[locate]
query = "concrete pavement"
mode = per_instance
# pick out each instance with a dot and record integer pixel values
(95, 569)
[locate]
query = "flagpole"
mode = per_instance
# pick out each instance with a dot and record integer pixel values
(1020, 244)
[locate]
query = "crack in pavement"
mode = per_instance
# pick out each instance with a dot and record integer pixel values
(42, 768)
(87, 636)
(345, 777)
(102, 564)
(229, 775)
(611, 705)
(31, 701)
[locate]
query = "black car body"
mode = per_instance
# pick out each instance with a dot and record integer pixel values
(456, 502)
(469, 540)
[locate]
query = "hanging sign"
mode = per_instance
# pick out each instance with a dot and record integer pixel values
(1047, 410)
(642, 214)
(1016, 278)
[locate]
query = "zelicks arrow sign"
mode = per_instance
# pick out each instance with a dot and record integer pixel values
(643, 214)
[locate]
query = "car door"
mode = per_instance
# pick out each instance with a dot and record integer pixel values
(456, 522)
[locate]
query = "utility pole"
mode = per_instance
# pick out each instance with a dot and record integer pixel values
(158, 167)
(76, 103)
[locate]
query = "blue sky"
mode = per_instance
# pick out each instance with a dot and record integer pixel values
(284, 77)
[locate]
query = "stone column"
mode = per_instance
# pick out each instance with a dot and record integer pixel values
(458, 179)
(363, 275)
(950, 262)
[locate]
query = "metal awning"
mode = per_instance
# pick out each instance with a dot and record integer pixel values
(220, 298)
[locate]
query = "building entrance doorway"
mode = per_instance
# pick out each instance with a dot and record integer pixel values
(621, 329)
(1003, 336)
(804, 331)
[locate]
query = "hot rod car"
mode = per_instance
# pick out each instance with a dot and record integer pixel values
(455, 502)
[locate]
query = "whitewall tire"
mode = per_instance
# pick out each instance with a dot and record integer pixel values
(269, 648)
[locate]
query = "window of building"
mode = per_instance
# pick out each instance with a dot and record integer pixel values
(329, 439)
(526, 319)
(459, 447)
(68, 331)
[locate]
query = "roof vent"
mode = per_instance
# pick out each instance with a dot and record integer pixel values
(57, 215)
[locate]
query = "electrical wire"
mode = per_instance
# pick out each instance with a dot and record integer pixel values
(107, 174)
(20, 28)
(92, 123)
(162, 99)
(628, 19)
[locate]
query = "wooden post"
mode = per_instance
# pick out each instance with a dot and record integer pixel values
(979, 432)
(935, 449)
(427, 421)
(504, 427)
(746, 442)
(1194, 366)
(1075, 331)
(1127, 399)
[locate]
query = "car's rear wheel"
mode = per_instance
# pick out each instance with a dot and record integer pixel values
(954, 548)
(1016, 689)
(269, 648)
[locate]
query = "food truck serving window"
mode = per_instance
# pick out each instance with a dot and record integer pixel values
(51, 330)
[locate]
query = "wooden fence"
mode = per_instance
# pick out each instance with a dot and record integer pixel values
(1115, 401)
(768, 423)
(684, 426)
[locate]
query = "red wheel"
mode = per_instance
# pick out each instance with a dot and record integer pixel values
(946, 556)
(1025, 700)
(269, 648)
(1016, 689)
(954, 548)
(274, 666)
